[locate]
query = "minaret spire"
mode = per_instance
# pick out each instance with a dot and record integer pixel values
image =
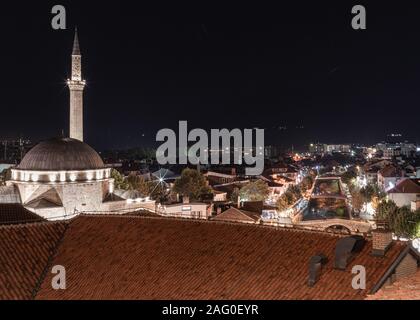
(76, 48)
(76, 85)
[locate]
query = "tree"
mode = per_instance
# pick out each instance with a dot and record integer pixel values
(192, 184)
(119, 180)
(138, 183)
(296, 192)
(370, 191)
(289, 197)
(367, 192)
(385, 210)
(158, 190)
(357, 200)
(282, 203)
(306, 183)
(254, 191)
(348, 176)
(235, 195)
(5, 175)
(417, 224)
(402, 221)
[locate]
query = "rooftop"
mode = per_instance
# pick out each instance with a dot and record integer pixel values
(110, 257)
(25, 252)
(238, 215)
(404, 289)
(407, 186)
(14, 213)
(390, 171)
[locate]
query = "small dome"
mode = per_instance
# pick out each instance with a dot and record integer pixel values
(61, 154)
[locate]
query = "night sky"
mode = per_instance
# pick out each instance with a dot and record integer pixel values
(300, 67)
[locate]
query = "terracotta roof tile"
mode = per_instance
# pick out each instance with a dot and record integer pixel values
(404, 289)
(238, 215)
(152, 258)
(13, 213)
(24, 253)
(407, 186)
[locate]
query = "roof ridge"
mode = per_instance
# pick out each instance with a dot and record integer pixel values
(292, 228)
(50, 260)
(245, 213)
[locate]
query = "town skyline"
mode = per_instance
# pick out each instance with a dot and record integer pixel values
(161, 167)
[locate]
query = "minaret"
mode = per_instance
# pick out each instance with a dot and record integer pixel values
(76, 86)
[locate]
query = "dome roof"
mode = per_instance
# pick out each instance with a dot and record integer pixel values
(61, 154)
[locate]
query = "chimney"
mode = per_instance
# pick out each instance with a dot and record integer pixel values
(218, 210)
(315, 268)
(381, 241)
(185, 199)
(346, 250)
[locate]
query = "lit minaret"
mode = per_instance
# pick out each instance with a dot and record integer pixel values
(76, 85)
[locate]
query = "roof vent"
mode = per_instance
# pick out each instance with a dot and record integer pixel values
(346, 250)
(315, 266)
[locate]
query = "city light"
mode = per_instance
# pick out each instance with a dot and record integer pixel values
(115, 202)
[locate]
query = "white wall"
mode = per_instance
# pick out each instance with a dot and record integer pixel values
(403, 199)
(187, 210)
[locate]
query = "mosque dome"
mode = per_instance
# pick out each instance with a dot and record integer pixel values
(61, 154)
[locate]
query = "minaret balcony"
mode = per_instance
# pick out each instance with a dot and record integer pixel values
(76, 82)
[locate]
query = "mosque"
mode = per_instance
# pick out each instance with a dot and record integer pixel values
(63, 177)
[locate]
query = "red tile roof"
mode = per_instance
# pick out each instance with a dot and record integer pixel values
(407, 186)
(24, 254)
(238, 215)
(404, 289)
(152, 258)
(390, 171)
(14, 213)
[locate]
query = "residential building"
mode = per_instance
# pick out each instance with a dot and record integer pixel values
(282, 170)
(238, 215)
(404, 289)
(317, 148)
(391, 150)
(219, 196)
(186, 209)
(12, 151)
(406, 192)
(271, 152)
(215, 178)
(342, 148)
(389, 176)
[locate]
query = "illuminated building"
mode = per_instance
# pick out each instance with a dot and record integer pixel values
(63, 177)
